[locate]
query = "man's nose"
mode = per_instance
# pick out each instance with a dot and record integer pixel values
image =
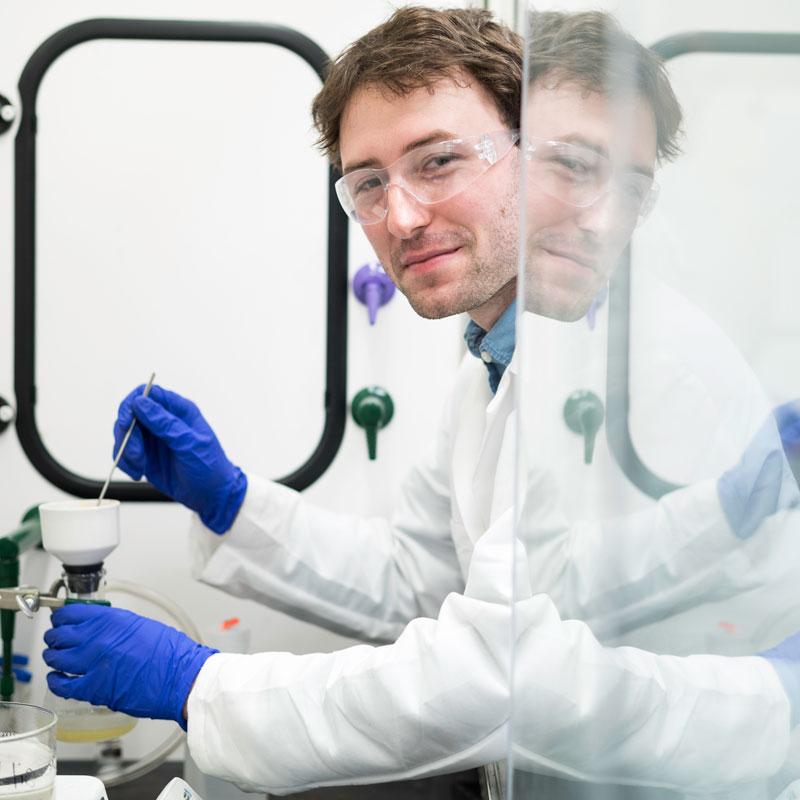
(405, 215)
(602, 216)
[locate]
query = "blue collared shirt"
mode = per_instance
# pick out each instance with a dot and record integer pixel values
(495, 347)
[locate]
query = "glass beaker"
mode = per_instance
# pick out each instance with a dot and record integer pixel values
(79, 721)
(27, 752)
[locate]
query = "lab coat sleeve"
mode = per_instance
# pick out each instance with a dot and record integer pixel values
(623, 573)
(353, 575)
(438, 700)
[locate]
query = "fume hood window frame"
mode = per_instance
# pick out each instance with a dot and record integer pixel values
(618, 432)
(334, 399)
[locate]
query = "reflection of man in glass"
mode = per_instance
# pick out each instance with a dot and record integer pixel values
(591, 158)
(422, 115)
(600, 114)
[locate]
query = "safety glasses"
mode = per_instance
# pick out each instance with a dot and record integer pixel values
(580, 176)
(572, 173)
(430, 173)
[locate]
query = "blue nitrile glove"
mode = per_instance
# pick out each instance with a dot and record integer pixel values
(115, 658)
(785, 658)
(762, 483)
(175, 448)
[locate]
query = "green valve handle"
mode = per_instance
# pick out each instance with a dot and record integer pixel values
(372, 409)
(27, 535)
(69, 601)
(583, 413)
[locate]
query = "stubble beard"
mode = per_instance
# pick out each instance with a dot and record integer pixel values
(545, 295)
(544, 299)
(483, 278)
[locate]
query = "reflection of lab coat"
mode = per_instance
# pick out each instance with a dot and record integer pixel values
(695, 404)
(437, 582)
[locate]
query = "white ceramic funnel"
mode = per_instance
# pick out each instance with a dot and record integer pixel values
(80, 532)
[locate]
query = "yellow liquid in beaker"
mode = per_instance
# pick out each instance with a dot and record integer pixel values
(93, 734)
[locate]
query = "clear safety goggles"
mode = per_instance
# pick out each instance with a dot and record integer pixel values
(433, 173)
(430, 173)
(579, 175)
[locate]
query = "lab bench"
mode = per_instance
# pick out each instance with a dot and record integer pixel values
(458, 786)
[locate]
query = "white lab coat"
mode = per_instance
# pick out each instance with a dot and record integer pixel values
(436, 582)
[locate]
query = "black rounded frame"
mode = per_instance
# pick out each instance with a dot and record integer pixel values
(618, 366)
(335, 403)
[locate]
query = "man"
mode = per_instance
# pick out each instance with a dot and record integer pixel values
(436, 582)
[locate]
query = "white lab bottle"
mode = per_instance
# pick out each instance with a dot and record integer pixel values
(230, 636)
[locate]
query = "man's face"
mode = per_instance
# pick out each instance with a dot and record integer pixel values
(452, 256)
(571, 251)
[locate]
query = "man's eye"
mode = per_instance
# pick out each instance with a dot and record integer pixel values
(635, 189)
(366, 185)
(438, 162)
(576, 166)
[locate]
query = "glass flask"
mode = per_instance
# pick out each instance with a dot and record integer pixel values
(27, 752)
(79, 721)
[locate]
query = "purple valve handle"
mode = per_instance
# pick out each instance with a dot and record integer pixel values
(373, 287)
(597, 304)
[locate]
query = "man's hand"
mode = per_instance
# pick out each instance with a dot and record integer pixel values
(115, 658)
(177, 451)
(763, 482)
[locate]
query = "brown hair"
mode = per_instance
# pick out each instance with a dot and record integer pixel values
(591, 50)
(418, 46)
(414, 48)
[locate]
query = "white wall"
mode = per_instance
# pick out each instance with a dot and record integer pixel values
(182, 229)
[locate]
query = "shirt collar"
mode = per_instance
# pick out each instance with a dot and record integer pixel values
(494, 347)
